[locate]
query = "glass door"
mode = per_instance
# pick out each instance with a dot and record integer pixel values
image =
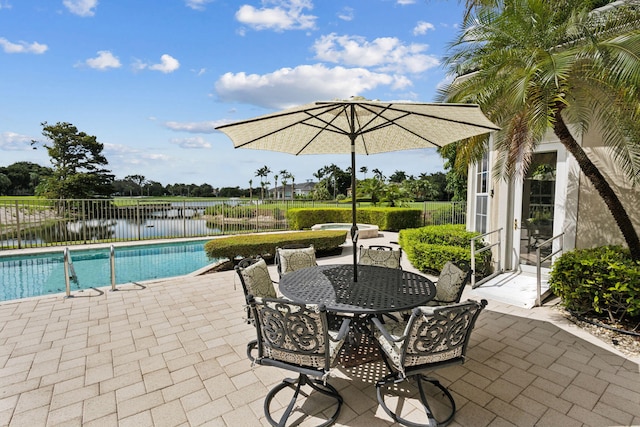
(537, 207)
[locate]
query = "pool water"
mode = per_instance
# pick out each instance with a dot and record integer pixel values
(41, 274)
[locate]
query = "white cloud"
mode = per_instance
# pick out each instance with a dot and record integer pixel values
(5, 5)
(168, 64)
(285, 15)
(11, 141)
(81, 7)
(118, 153)
(193, 142)
(193, 127)
(346, 14)
(384, 53)
(197, 4)
(287, 87)
(422, 27)
(405, 2)
(22, 47)
(104, 61)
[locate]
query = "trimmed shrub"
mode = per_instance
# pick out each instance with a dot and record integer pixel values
(604, 280)
(429, 248)
(431, 258)
(389, 219)
(242, 211)
(450, 234)
(264, 244)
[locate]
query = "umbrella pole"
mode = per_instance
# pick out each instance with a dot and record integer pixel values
(354, 225)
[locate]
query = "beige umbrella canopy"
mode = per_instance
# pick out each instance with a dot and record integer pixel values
(358, 126)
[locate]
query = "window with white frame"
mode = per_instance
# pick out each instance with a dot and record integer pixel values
(482, 194)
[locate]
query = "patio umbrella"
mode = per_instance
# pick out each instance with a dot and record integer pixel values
(358, 127)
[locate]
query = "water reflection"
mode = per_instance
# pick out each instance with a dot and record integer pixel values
(95, 222)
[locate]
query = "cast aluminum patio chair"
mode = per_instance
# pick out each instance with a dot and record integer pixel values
(256, 280)
(296, 337)
(381, 256)
(451, 282)
(294, 257)
(432, 338)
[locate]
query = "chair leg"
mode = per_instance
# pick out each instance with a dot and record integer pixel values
(318, 385)
(394, 378)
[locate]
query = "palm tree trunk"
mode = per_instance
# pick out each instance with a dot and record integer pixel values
(601, 185)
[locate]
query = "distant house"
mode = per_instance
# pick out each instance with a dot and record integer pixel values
(300, 190)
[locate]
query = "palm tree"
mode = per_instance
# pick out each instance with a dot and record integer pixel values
(285, 178)
(364, 171)
(250, 189)
(378, 174)
(398, 176)
(396, 195)
(535, 66)
(372, 188)
(263, 173)
(275, 187)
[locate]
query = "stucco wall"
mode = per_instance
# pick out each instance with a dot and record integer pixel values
(595, 225)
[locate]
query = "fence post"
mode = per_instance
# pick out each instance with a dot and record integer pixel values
(18, 226)
(222, 207)
(138, 222)
(83, 221)
(184, 218)
(424, 213)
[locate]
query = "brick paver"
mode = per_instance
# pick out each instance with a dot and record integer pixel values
(174, 354)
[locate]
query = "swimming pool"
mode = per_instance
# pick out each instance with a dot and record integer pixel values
(23, 276)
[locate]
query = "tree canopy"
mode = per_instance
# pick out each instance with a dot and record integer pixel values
(536, 65)
(78, 164)
(21, 178)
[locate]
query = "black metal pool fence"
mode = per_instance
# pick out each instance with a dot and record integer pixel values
(34, 223)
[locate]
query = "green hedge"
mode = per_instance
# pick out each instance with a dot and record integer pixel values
(242, 211)
(389, 219)
(429, 248)
(264, 244)
(604, 280)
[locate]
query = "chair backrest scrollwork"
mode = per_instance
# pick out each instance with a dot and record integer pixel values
(435, 335)
(292, 333)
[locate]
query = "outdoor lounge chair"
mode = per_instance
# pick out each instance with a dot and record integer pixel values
(432, 338)
(294, 257)
(256, 280)
(296, 337)
(451, 282)
(381, 256)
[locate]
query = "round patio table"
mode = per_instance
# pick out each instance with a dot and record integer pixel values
(378, 289)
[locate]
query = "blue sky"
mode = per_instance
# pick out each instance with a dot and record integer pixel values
(151, 79)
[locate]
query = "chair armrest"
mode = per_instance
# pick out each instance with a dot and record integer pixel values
(384, 332)
(251, 346)
(344, 330)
